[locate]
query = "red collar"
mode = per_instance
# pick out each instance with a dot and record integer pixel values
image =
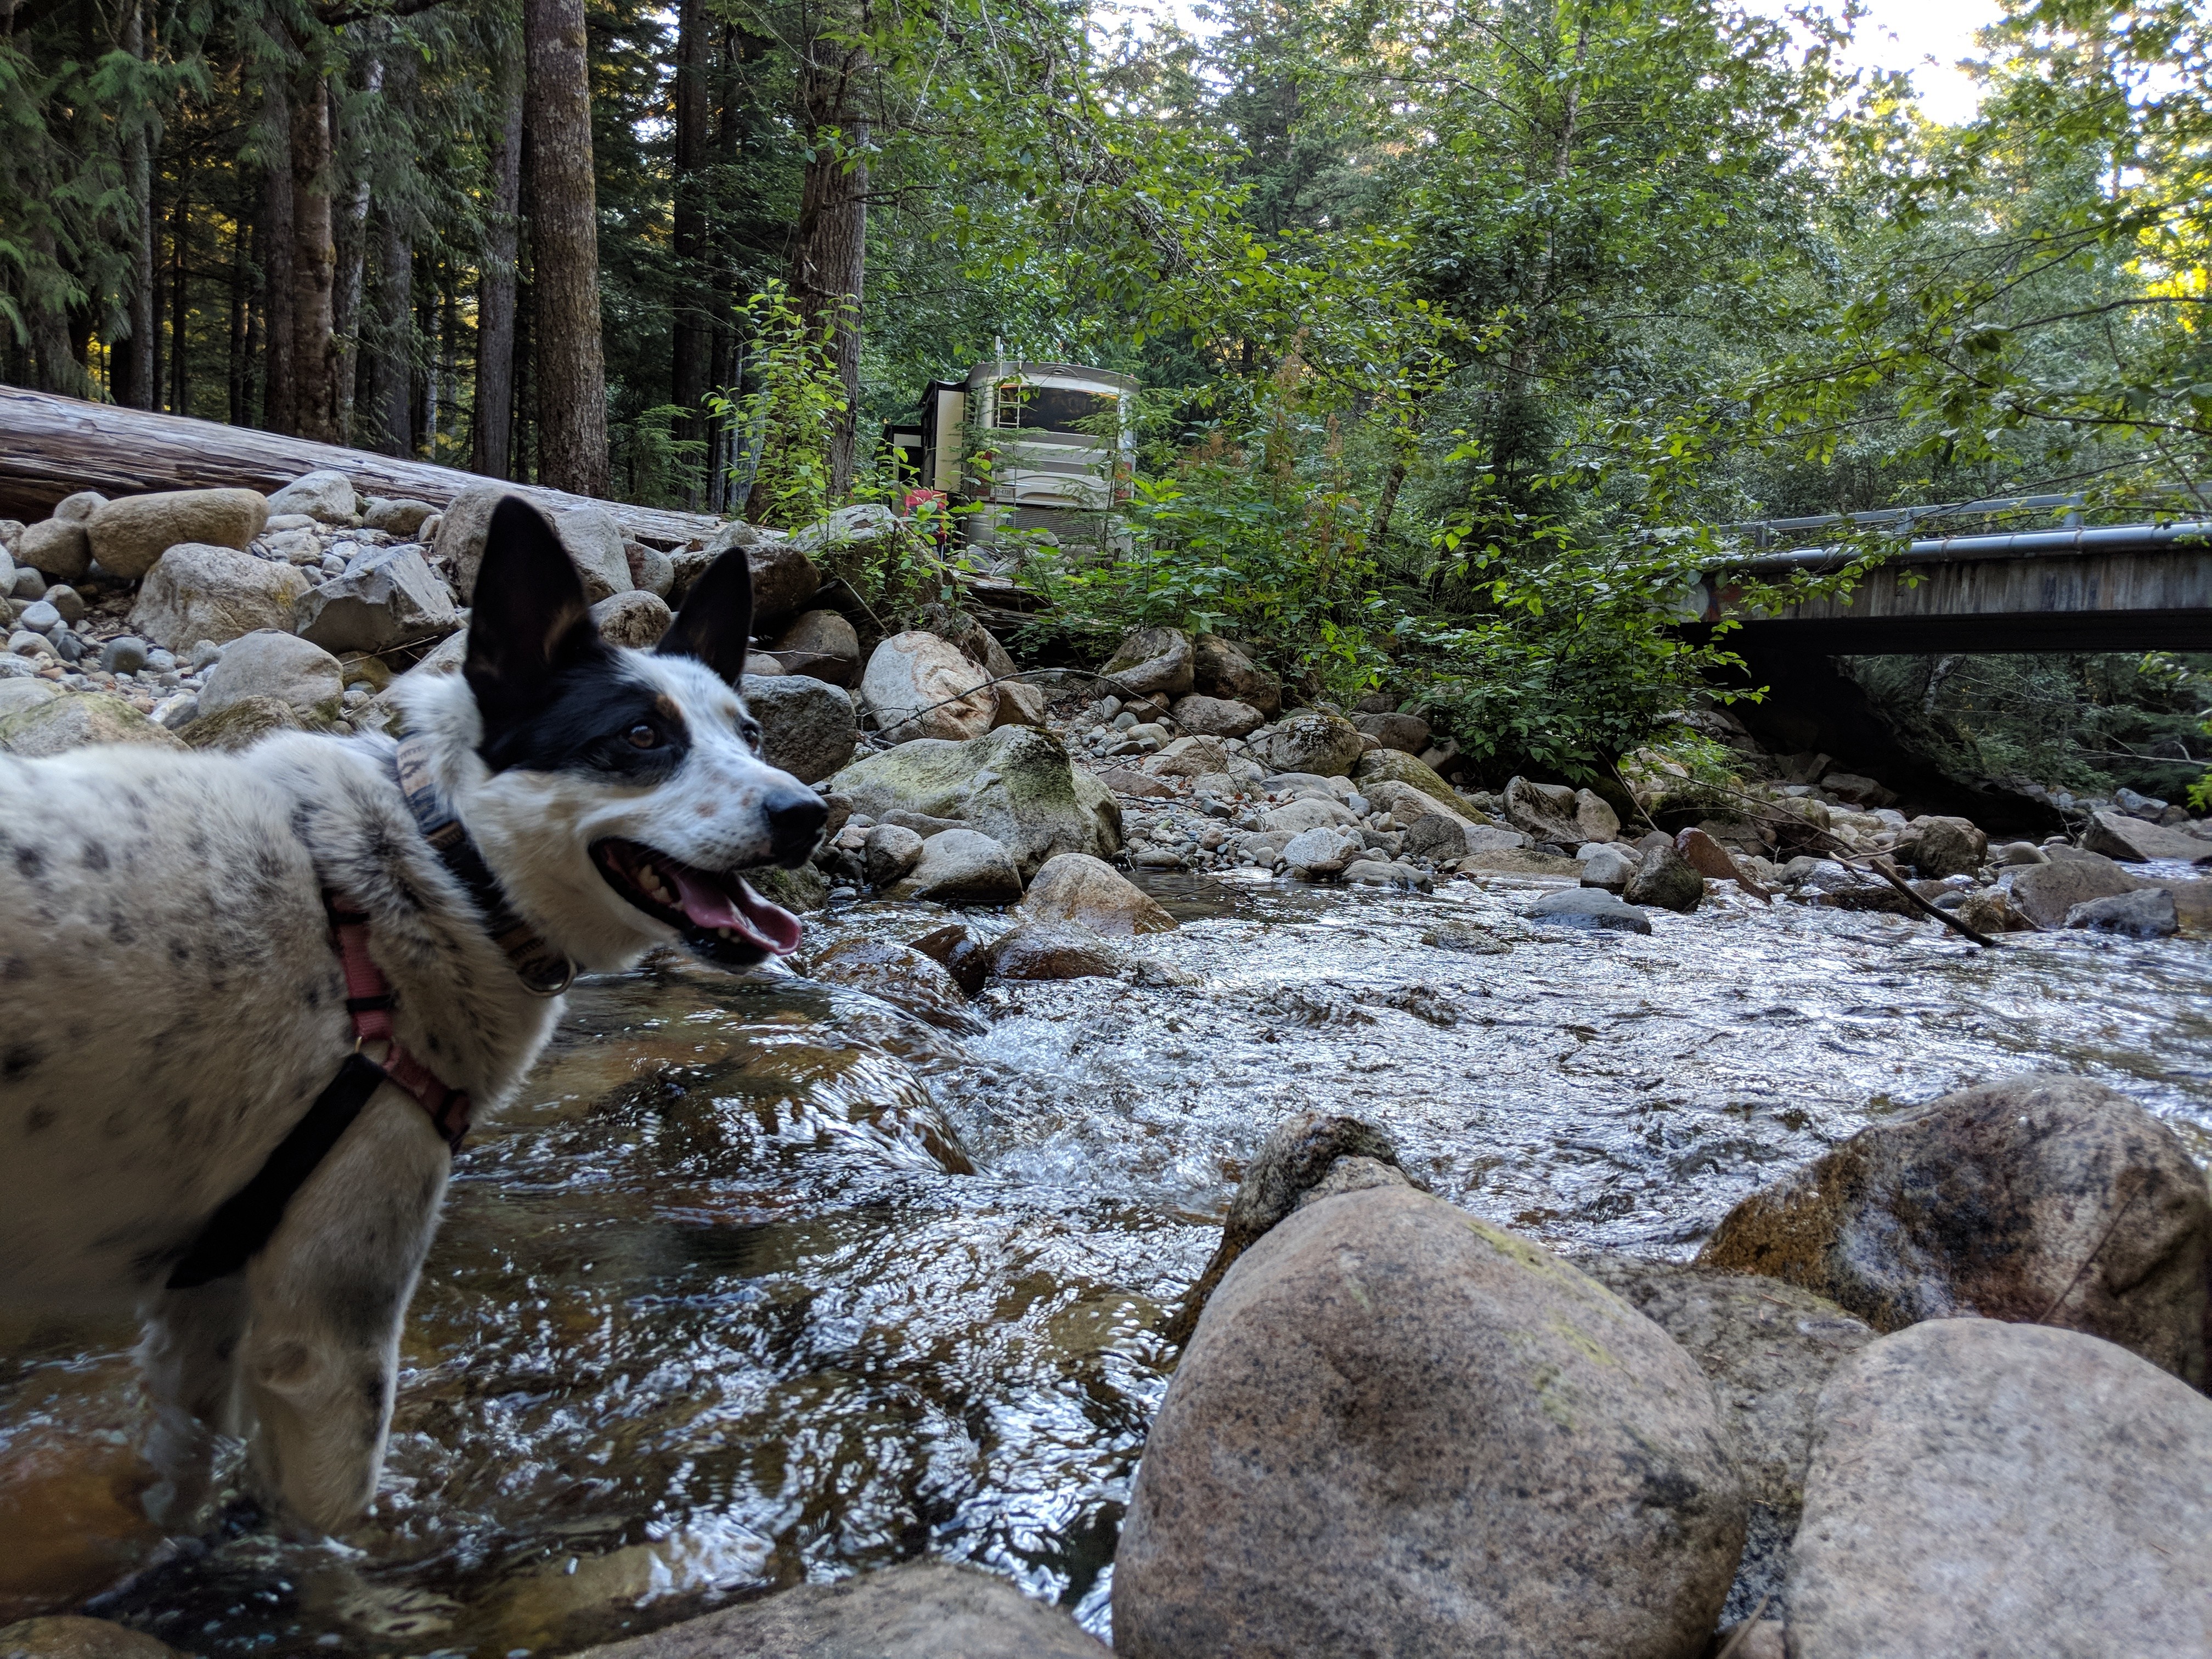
(368, 1002)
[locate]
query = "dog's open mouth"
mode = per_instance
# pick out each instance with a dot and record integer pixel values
(719, 914)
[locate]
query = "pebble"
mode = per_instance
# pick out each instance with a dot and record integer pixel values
(40, 617)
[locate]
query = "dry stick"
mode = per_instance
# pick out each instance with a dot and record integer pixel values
(1877, 866)
(2044, 1318)
(1744, 1630)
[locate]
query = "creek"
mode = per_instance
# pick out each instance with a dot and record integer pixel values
(760, 1281)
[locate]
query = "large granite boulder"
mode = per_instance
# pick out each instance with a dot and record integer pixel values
(127, 536)
(1075, 887)
(1986, 1488)
(592, 540)
(1666, 878)
(58, 549)
(1308, 740)
(822, 645)
(1216, 717)
(1398, 1429)
(2120, 836)
(919, 685)
(2045, 893)
(807, 726)
(1547, 811)
(636, 619)
(1949, 847)
(1222, 668)
(1151, 659)
(2039, 1200)
(196, 591)
(324, 494)
(296, 672)
(1389, 766)
(1016, 784)
(1769, 1348)
(386, 598)
(918, 1610)
(961, 867)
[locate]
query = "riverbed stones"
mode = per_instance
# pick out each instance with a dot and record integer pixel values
(1768, 1348)
(1052, 950)
(2041, 1198)
(1407, 733)
(1016, 784)
(918, 1610)
(1075, 887)
(1223, 668)
(81, 720)
(900, 976)
(1189, 757)
(889, 853)
(1608, 866)
(961, 951)
(2046, 893)
(1310, 740)
(58, 549)
(1709, 857)
(1151, 659)
(2149, 913)
(1217, 717)
(2121, 836)
(267, 664)
(917, 686)
(68, 1637)
(1667, 879)
(635, 618)
(828, 639)
(197, 591)
(324, 494)
(127, 536)
(1399, 1429)
(1984, 1488)
(961, 867)
(1545, 811)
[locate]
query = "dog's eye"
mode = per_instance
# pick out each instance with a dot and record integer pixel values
(642, 736)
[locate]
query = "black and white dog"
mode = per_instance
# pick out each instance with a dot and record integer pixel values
(201, 954)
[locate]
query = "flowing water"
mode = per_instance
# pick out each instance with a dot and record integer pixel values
(760, 1281)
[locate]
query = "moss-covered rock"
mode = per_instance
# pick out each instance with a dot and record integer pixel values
(244, 723)
(78, 722)
(1377, 765)
(1016, 784)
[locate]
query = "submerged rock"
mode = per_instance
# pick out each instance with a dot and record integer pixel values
(1591, 908)
(66, 1636)
(2149, 913)
(1985, 1488)
(962, 953)
(1052, 950)
(919, 1610)
(902, 975)
(1667, 879)
(2040, 1200)
(2045, 893)
(1398, 1429)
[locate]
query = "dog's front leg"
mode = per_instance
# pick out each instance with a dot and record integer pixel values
(329, 1293)
(189, 1358)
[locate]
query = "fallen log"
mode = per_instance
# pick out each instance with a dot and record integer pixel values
(54, 447)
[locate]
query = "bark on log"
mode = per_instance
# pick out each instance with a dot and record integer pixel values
(51, 447)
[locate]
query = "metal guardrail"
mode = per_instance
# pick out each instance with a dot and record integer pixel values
(2029, 544)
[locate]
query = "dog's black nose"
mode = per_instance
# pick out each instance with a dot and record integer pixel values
(795, 818)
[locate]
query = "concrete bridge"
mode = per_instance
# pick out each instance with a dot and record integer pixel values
(2107, 587)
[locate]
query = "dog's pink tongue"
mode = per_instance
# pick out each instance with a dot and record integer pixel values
(769, 926)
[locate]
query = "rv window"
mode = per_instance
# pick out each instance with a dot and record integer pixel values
(1051, 409)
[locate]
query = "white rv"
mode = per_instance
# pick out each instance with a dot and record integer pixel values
(1027, 439)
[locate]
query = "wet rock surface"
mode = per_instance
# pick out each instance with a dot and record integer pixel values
(1980, 1487)
(924, 1610)
(1398, 1429)
(2039, 1200)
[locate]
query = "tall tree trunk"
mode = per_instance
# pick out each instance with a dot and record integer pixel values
(352, 246)
(693, 335)
(572, 413)
(134, 379)
(830, 254)
(180, 223)
(280, 402)
(314, 261)
(390, 357)
(241, 311)
(48, 318)
(492, 428)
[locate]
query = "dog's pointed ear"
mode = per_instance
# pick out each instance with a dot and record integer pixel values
(717, 617)
(530, 619)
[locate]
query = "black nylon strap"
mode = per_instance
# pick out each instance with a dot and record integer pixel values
(248, 1218)
(542, 969)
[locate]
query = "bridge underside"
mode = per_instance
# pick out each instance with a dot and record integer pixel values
(2152, 601)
